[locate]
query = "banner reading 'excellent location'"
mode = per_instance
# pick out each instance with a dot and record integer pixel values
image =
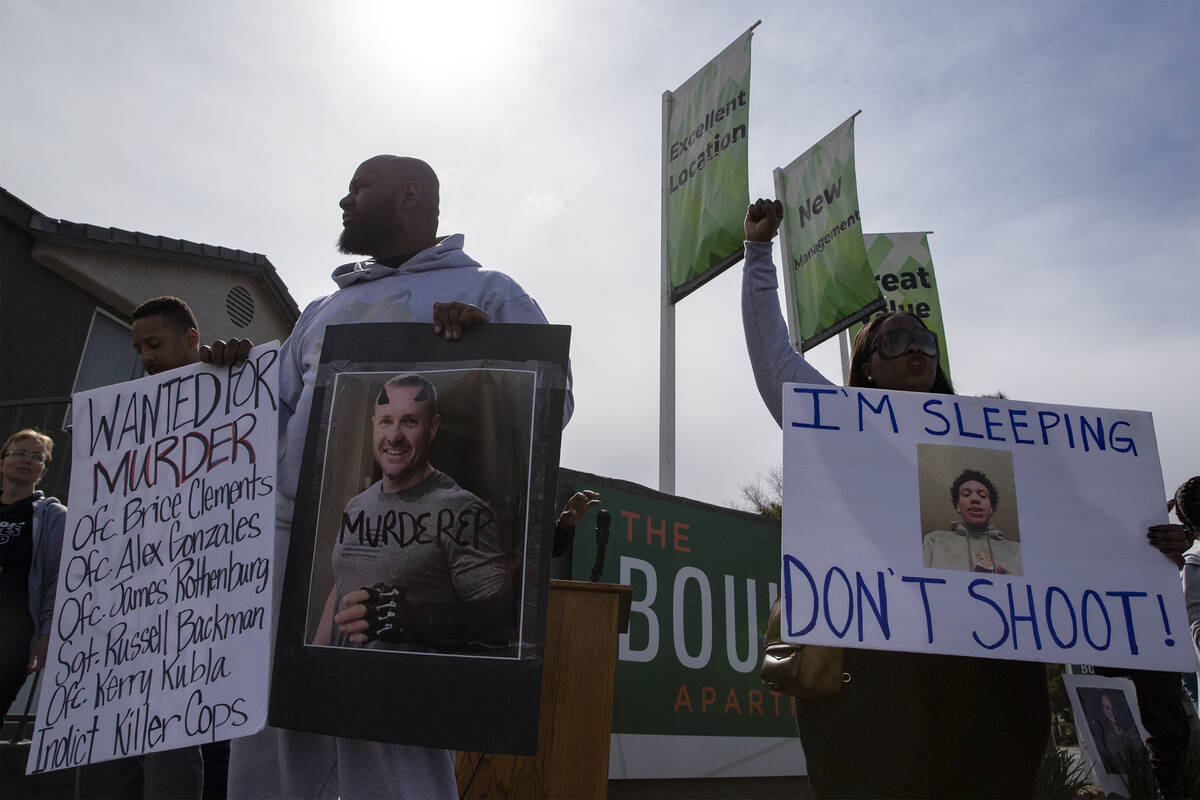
(978, 527)
(829, 281)
(705, 174)
(162, 618)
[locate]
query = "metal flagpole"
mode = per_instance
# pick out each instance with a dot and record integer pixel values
(666, 337)
(844, 343)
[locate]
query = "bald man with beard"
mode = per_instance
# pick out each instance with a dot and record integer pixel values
(389, 214)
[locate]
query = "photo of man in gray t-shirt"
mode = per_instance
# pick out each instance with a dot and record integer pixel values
(417, 561)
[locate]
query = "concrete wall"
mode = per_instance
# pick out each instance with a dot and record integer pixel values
(125, 281)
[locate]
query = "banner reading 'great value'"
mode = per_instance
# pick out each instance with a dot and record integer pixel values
(904, 273)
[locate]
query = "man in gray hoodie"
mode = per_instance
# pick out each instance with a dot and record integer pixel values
(412, 275)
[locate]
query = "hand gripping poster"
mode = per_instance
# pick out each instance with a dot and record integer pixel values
(162, 617)
(705, 183)
(828, 280)
(979, 527)
(418, 567)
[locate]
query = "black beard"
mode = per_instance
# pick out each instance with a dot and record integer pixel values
(360, 240)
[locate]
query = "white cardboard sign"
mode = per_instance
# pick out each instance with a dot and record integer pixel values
(162, 620)
(880, 552)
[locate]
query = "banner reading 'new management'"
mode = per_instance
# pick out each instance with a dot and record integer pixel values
(829, 281)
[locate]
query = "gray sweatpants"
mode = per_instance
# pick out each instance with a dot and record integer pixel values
(278, 763)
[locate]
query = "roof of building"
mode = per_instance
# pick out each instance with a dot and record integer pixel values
(136, 243)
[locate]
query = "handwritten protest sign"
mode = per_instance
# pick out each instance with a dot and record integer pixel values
(162, 619)
(973, 526)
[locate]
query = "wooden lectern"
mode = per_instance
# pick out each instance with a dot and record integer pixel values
(582, 623)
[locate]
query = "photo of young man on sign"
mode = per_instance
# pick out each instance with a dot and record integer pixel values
(415, 560)
(970, 535)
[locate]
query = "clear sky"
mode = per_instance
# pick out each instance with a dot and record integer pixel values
(1052, 148)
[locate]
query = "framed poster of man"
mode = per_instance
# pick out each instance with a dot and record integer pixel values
(1110, 728)
(419, 561)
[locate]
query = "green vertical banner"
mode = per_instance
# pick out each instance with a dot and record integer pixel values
(829, 282)
(705, 178)
(903, 270)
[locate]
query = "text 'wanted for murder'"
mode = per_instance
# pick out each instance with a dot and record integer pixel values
(138, 418)
(176, 458)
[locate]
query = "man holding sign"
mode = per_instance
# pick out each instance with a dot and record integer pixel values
(902, 724)
(391, 215)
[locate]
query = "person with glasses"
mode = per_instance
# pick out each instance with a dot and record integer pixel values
(31, 535)
(903, 724)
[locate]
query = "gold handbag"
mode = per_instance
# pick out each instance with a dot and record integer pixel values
(798, 670)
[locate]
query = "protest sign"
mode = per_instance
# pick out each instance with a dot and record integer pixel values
(974, 526)
(828, 280)
(1110, 729)
(162, 619)
(904, 273)
(426, 484)
(705, 175)
(687, 698)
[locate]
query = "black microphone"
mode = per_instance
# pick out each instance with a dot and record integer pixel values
(603, 518)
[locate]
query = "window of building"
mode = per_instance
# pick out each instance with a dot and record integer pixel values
(107, 357)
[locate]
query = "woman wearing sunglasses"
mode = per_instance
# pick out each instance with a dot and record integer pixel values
(903, 724)
(31, 533)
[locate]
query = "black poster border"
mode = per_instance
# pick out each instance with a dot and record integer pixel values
(458, 702)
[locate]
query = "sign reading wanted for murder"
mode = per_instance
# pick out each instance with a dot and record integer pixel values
(975, 526)
(162, 618)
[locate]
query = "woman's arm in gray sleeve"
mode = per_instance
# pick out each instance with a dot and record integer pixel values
(1191, 594)
(774, 360)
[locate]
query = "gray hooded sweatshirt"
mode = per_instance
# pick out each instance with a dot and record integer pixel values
(279, 763)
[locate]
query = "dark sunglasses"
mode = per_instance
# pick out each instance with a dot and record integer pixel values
(894, 344)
